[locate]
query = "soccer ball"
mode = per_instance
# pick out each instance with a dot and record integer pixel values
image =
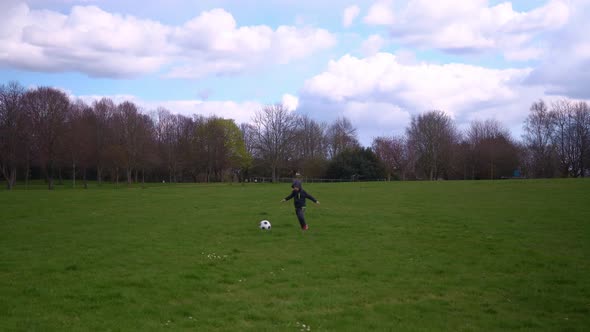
(265, 224)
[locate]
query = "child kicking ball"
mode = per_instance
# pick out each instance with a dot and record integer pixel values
(299, 195)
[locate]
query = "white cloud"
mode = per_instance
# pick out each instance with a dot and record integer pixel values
(565, 68)
(99, 43)
(372, 45)
(349, 15)
(524, 54)
(470, 26)
(381, 92)
(290, 101)
(380, 13)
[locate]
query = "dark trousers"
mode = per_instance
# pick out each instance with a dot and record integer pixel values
(301, 216)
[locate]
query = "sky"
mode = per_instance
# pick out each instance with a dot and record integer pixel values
(377, 62)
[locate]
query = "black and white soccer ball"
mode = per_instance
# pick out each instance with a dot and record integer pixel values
(265, 225)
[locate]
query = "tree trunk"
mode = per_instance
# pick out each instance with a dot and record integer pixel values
(274, 174)
(84, 178)
(74, 175)
(12, 181)
(27, 174)
(99, 175)
(50, 176)
(129, 176)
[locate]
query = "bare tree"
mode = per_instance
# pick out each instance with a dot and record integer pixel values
(167, 137)
(582, 136)
(310, 153)
(49, 108)
(104, 110)
(275, 132)
(492, 152)
(146, 146)
(563, 136)
(79, 138)
(392, 152)
(14, 131)
(341, 135)
(538, 133)
(130, 127)
(432, 136)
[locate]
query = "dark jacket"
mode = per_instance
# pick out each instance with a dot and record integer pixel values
(299, 196)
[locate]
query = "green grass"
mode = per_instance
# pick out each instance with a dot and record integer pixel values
(413, 256)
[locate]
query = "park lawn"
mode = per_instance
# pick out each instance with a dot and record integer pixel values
(398, 256)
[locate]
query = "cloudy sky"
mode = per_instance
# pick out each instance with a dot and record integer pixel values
(375, 62)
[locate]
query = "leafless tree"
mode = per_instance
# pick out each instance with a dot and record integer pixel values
(392, 152)
(538, 133)
(49, 108)
(14, 131)
(492, 152)
(130, 126)
(275, 133)
(167, 136)
(570, 134)
(80, 142)
(311, 148)
(582, 136)
(341, 135)
(432, 136)
(104, 110)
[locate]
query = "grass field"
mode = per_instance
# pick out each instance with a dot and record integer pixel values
(412, 256)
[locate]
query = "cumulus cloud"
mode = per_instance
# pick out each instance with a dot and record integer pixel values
(99, 43)
(350, 14)
(380, 13)
(381, 93)
(471, 26)
(565, 69)
(290, 101)
(372, 45)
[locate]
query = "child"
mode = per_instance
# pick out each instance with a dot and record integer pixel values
(299, 196)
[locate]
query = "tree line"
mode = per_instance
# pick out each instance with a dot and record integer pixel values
(44, 134)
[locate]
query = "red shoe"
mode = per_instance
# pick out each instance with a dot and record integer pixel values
(305, 228)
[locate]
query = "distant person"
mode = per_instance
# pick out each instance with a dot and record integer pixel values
(299, 195)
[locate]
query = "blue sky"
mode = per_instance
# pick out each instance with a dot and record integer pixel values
(376, 62)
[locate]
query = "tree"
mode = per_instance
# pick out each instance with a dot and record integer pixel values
(248, 132)
(14, 131)
(492, 152)
(538, 133)
(275, 133)
(104, 110)
(147, 150)
(356, 164)
(129, 124)
(392, 153)
(49, 108)
(238, 158)
(80, 142)
(341, 135)
(432, 136)
(571, 133)
(582, 136)
(167, 127)
(310, 153)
